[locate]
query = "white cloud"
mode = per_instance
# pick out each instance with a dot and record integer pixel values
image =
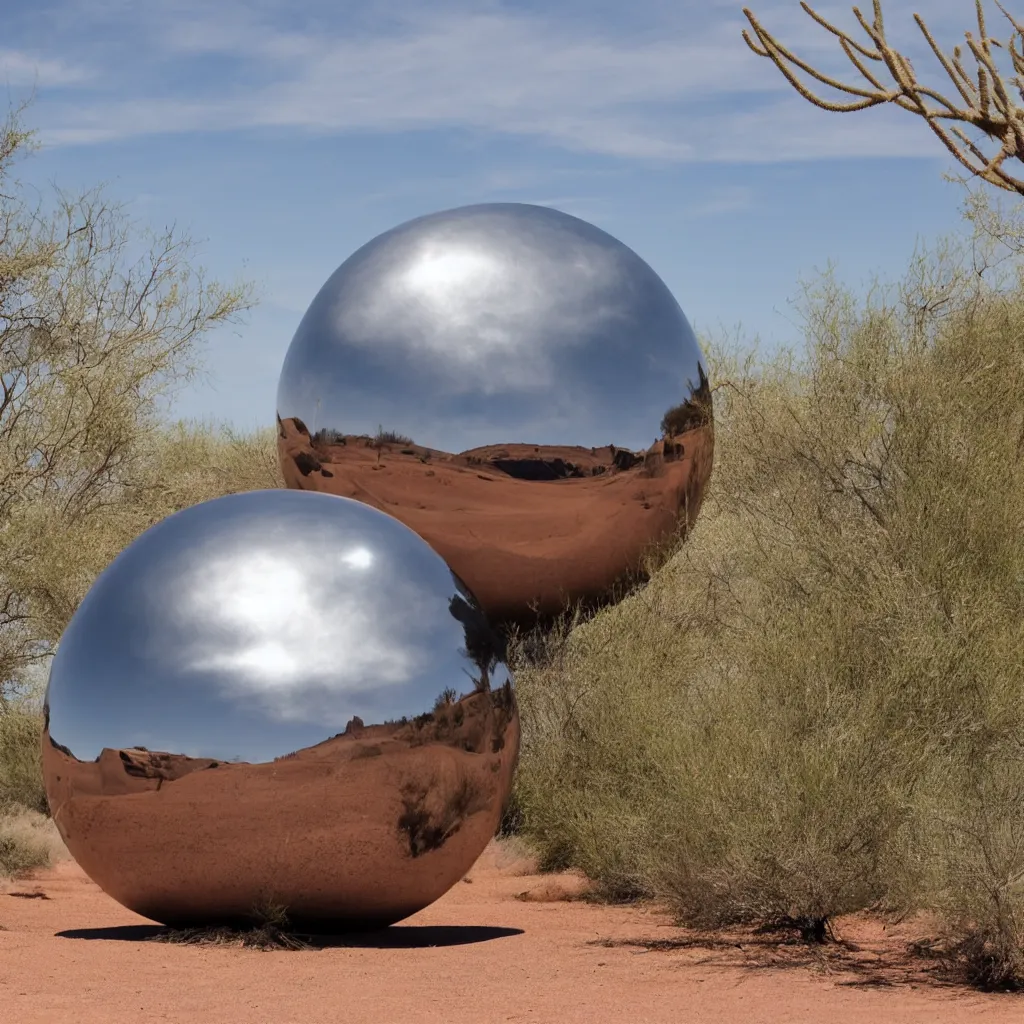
(431, 297)
(292, 628)
(678, 86)
(726, 199)
(22, 69)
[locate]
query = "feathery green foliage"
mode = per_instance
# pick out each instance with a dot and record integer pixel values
(817, 706)
(100, 322)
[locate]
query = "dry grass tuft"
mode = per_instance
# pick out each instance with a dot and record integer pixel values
(28, 840)
(264, 937)
(269, 930)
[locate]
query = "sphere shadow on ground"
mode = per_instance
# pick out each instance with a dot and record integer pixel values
(395, 937)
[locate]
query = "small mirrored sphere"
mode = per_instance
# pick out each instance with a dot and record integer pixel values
(278, 699)
(518, 387)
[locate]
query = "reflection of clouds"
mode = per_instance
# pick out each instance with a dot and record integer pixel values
(492, 324)
(296, 625)
(482, 301)
(443, 274)
(358, 558)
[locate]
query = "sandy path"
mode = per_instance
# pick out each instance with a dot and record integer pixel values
(478, 955)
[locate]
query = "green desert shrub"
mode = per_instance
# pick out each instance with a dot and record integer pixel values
(390, 437)
(27, 838)
(101, 322)
(817, 705)
(21, 782)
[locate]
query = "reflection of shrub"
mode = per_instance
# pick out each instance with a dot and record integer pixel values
(446, 697)
(325, 437)
(681, 418)
(815, 706)
(391, 437)
(695, 412)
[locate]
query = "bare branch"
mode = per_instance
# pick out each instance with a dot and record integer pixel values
(987, 106)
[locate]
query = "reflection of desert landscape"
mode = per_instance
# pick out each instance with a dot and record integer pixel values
(364, 828)
(524, 526)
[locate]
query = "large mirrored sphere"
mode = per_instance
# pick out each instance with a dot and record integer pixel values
(518, 387)
(284, 700)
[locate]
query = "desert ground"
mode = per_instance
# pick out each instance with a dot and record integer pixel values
(505, 944)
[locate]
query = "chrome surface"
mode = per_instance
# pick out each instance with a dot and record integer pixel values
(517, 342)
(500, 323)
(278, 698)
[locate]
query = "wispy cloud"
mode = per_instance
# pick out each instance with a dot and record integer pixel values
(676, 86)
(20, 68)
(728, 199)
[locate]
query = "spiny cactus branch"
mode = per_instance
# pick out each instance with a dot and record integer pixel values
(986, 105)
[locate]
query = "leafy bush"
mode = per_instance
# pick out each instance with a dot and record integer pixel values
(99, 324)
(21, 783)
(817, 705)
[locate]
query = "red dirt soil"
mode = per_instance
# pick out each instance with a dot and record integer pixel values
(518, 542)
(504, 945)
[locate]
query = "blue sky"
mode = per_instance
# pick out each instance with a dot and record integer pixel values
(285, 135)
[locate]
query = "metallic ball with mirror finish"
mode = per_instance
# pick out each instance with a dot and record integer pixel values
(278, 698)
(518, 387)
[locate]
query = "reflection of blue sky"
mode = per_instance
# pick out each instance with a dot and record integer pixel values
(496, 324)
(255, 625)
(496, 310)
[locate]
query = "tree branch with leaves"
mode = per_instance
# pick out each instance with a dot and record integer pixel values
(99, 322)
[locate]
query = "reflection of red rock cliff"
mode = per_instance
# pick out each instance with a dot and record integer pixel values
(521, 525)
(365, 828)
